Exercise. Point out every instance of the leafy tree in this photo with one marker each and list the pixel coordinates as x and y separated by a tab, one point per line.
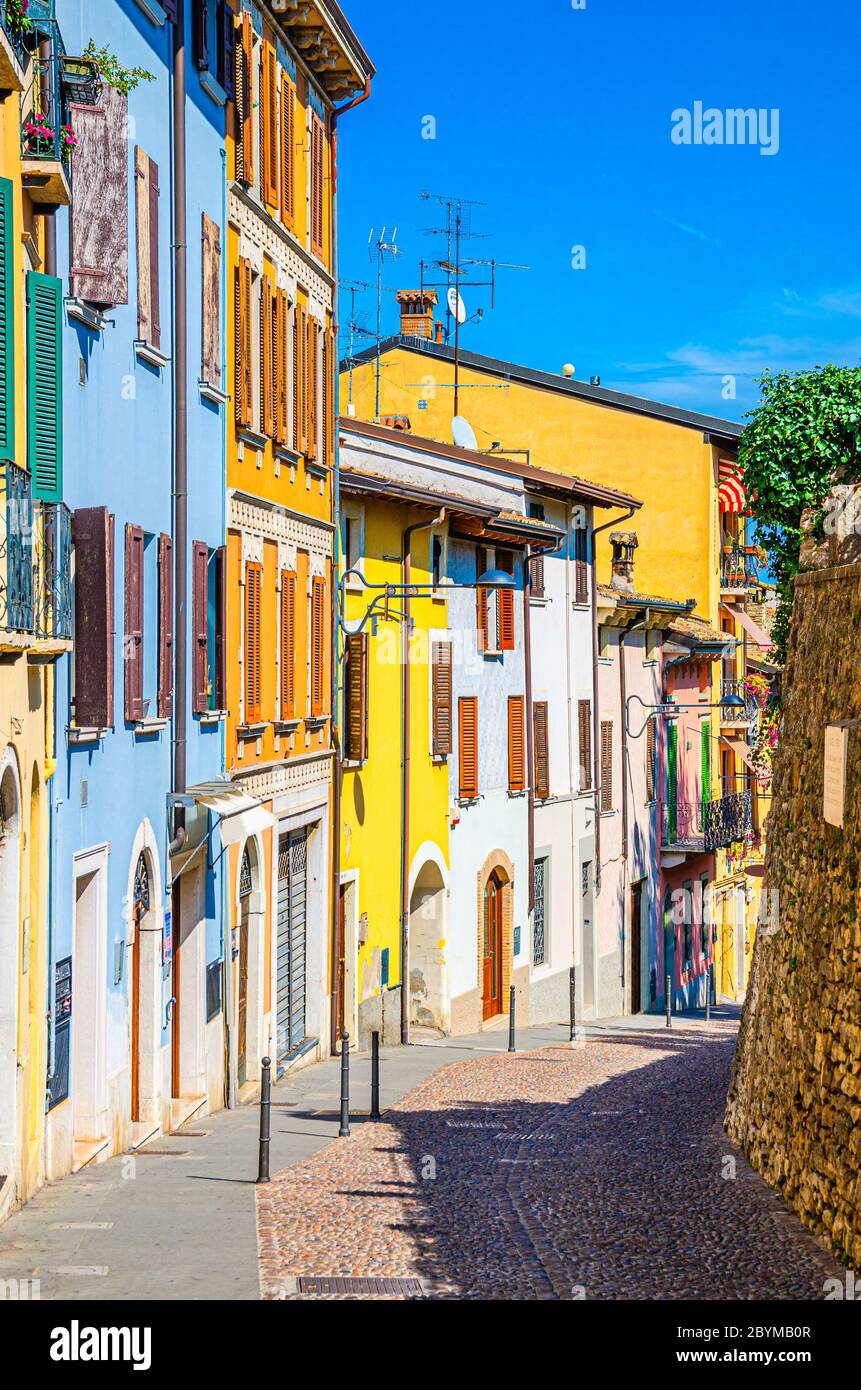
122	79
804	435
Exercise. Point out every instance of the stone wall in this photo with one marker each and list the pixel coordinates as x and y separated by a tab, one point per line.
794	1104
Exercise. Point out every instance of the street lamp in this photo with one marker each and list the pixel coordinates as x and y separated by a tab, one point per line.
491	579
728	702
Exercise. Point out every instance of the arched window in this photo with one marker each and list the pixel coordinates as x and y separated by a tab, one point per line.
245	874
142	888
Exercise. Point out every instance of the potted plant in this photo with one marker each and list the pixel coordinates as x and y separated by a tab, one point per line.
17	18
38	136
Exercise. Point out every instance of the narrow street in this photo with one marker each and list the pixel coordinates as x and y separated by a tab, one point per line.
613	1180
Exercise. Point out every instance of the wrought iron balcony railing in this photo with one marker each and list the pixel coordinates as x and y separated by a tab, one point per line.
45	129
52	571
14	26
35	560
735	714
738	568
700	827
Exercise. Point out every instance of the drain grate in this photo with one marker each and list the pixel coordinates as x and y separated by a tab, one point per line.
162	1153
356	1288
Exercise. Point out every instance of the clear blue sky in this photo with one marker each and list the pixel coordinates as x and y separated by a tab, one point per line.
701	260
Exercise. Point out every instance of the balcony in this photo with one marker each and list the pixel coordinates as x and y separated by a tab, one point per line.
14	50
731	714
700	827
738	568
47	139
35	571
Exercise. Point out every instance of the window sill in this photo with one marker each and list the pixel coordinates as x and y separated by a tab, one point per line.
78	734
287	726
212	87
317	469
212	716
287	455
82	312
249	731
514	795
212	393
583	604
153	11
145	352
316	721
468	800
143	727
250	436
538	600
605	661
353	764
605	814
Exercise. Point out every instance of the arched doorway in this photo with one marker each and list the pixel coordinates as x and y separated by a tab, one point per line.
429	1003
141	905
246	888
10	888
493	946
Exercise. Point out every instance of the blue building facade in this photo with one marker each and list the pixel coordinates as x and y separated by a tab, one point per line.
137	1041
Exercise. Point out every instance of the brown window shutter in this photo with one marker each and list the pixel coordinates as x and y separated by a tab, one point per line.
606	764
441	699
99	214
221	628
210	363
288	645
581	567
318	649
297	379
93	534
267	383
247	52
155	310
651	768
467	721
200	627
269	125
313	387
326	393
505	604
253	599
541	750
282	367
536	576
318	141
356	697
516	744
146	217
481	602
584	731
165	627
134	633
288	150
243	363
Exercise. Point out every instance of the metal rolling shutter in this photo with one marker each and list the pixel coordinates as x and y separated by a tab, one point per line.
292	895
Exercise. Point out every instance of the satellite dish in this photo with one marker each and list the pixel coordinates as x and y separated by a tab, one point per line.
456	305
462	433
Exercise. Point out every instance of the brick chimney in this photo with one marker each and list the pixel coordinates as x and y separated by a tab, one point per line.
417	308
624	544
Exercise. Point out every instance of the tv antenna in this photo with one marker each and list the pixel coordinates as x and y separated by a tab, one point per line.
381	248
354	288
457	229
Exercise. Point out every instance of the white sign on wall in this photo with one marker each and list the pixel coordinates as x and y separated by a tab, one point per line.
834	781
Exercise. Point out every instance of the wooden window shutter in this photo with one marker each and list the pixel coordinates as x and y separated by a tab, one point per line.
134	633
288	645
221	628
99	271
201	35
226	65
581	567
246	66
288	150
536	576
482	617
243	360
651	762
505	604
200	627
269	122
93	536
165	627
7	322
318	640
146	209
210	355
313	376
330	352
467	721
441	699
253	599
516	744
606	764
267	383
45	386
282	369
584	736
298	330
356	697
318	141
541	750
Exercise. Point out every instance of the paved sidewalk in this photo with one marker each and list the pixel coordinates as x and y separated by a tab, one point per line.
177	1219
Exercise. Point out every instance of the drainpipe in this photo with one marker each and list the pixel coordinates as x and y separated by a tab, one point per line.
634	624
180	348
406	753
596	711
530	733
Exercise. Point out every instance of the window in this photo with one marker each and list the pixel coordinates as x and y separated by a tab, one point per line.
688	923
441	699
651	760
318	145
482	603
225	69
606	765
604	643
146	211
516	744
210	356
653	644
99	271
494	609
541	750
536	576
467	718
318	646
705	916
93	699
209	621
44	386
356	697
7	323
288	645
312	387
245	101
505	604
267	364
581	566
148	631
539	920
243	360
270	156
253	597
288	150
280	361
584	733
300	380
436	559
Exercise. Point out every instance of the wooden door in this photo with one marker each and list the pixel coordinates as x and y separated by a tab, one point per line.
242	1022
636	948
341	962
492	981
177	995
136	1014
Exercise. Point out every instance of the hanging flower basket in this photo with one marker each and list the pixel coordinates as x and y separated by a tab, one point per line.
38	137
68	140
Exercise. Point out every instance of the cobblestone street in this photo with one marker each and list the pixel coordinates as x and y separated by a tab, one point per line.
613	1180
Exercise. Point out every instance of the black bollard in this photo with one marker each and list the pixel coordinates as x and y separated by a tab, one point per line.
344	1131
669	980
511	1023
375	1076
265	1104
572	990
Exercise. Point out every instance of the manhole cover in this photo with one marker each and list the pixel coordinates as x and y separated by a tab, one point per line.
354	1288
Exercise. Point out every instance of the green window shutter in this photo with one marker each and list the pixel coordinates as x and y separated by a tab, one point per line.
45	386
7	324
706	763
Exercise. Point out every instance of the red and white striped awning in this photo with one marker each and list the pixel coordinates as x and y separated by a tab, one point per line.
731	494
